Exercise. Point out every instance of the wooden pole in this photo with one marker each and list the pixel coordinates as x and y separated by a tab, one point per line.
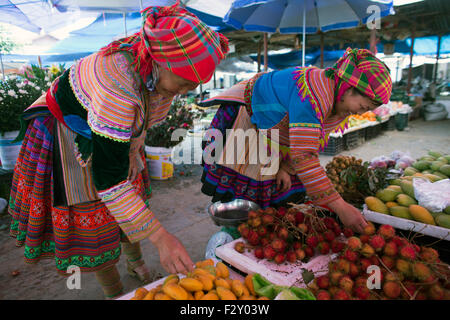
259	55
266	58
3	68
437	59
125	23
304	36
411	54
296	42
321	49
373	41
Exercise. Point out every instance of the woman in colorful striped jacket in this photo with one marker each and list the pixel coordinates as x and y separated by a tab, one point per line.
305	105
80	190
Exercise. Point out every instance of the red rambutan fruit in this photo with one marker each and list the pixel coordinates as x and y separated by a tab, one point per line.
386	231
377	242
392	289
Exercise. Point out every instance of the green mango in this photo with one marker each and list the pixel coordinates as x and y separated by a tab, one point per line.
445	169
435	165
401	212
421	165
427	158
443	221
432	177
442	159
407	188
447	157
396	188
410	171
447	210
405	200
387	194
395	182
440	174
435	154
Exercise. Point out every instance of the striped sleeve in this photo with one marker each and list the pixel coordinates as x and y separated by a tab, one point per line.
112	115
304	136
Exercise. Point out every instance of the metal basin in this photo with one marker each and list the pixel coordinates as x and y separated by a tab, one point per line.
231	214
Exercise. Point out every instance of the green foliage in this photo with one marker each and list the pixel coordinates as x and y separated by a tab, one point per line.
18	92
362	181
6	44
180	116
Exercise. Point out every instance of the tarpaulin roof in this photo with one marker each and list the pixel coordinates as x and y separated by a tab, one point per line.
110	26
214	8
38	15
422	46
428	45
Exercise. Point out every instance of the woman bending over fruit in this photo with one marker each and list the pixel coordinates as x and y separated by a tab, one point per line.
305	104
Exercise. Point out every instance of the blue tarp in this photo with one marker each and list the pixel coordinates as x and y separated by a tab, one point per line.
109	26
99	33
38	16
422	46
428	45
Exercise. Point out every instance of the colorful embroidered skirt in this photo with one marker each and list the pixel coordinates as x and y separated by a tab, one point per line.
225	184
83	235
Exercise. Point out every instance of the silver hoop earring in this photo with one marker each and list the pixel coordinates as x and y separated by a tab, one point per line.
152	78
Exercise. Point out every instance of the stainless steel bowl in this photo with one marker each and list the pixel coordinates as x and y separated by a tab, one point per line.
231	214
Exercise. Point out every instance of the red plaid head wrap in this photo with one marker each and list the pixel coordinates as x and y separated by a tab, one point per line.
359	68
177	40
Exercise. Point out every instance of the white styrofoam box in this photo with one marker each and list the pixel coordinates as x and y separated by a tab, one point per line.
408	225
286	274
129	295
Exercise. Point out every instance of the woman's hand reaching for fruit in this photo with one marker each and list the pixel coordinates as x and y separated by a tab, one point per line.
349	215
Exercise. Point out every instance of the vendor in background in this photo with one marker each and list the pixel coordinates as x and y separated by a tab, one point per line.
306	104
81	185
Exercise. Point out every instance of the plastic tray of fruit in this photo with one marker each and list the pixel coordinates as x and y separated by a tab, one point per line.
139	293
406	224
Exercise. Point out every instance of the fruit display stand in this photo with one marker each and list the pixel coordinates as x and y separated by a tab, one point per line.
373	131
287	274
388	124
148	287
335	145
407	225
355	136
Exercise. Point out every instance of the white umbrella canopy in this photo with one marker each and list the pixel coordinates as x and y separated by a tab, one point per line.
116	6
39	16
215	8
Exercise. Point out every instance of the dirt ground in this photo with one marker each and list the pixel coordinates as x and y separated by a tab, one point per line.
181	208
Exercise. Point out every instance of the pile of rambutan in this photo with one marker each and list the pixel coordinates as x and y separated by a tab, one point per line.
288	235
406	271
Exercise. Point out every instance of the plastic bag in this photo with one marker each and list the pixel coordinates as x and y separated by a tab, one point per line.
404	162
381	111
218	239
396	155
402	159
433	116
380	162
3	204
433	196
